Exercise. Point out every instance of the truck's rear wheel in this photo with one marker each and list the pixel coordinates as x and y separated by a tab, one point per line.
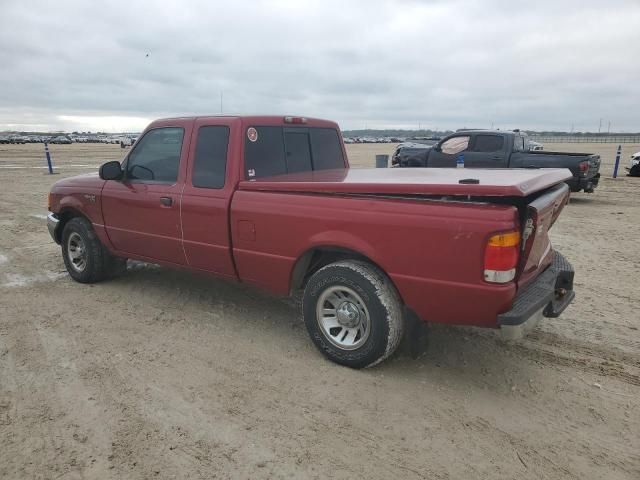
353	313
86	259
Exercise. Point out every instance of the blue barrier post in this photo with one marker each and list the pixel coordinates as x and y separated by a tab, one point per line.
46	152
615	167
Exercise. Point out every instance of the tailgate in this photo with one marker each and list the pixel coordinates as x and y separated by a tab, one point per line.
540	215
594	165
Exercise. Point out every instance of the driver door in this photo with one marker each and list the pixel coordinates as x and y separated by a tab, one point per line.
449	153
142	211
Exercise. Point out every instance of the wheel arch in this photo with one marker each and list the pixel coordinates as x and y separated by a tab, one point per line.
320	256
65	214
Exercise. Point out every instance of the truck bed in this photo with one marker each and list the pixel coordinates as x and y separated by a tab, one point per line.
417	181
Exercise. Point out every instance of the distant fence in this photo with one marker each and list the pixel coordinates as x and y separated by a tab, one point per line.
583	139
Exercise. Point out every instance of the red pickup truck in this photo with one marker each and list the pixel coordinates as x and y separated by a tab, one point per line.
271	201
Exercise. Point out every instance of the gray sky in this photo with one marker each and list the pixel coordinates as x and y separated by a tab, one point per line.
441	64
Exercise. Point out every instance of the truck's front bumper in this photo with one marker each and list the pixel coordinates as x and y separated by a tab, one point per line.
547	296
53	223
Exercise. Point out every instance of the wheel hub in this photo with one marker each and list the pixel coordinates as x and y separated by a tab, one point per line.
343	317
348	314
77	252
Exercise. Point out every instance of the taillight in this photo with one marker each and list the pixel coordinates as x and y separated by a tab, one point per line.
49	202
501	257
584	167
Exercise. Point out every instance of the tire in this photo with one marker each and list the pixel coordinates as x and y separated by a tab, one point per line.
85	258
366	324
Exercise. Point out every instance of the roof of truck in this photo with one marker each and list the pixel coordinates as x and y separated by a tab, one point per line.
266	120
415	181
488	131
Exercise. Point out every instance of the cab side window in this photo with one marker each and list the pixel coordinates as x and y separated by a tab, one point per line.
455	145
488	143
156	157
210	162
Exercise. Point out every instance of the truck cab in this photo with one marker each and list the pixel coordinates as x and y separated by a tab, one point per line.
478	149
177	182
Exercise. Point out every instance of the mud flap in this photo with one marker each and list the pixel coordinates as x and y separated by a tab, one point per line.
416	335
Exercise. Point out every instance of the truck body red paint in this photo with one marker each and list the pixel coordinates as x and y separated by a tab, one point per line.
426	230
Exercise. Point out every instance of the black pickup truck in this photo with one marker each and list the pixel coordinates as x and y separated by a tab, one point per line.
498	149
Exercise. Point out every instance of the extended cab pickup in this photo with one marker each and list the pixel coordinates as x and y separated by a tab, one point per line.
271	201
499	149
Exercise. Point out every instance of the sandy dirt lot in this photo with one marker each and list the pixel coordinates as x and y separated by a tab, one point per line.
163	374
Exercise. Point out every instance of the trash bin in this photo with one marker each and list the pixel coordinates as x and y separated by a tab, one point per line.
382	161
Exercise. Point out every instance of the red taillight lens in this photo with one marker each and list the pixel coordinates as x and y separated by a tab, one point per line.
584	167
501	257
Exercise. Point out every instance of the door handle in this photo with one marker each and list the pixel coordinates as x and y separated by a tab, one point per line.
166	201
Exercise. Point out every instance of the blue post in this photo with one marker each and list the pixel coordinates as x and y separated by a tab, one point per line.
46	152
615	168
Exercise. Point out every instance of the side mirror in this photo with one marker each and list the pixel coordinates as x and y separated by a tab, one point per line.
436	148
111	171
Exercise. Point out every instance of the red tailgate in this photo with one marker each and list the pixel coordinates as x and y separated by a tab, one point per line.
542	213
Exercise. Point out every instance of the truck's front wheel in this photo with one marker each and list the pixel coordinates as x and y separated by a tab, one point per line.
353	313
86	259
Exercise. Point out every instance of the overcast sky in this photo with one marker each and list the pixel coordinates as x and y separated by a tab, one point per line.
438	64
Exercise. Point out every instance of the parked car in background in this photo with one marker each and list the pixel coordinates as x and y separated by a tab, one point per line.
271	201
61	140
17	139
634	165
500	149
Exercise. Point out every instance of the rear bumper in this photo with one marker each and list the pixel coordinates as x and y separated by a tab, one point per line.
53	223
547	296
584	183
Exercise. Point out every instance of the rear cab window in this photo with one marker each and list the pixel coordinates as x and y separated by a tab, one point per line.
277	150
518	143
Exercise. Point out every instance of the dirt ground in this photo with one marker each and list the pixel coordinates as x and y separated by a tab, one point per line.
163	374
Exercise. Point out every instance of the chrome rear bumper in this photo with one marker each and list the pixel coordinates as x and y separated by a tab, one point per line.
547	296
